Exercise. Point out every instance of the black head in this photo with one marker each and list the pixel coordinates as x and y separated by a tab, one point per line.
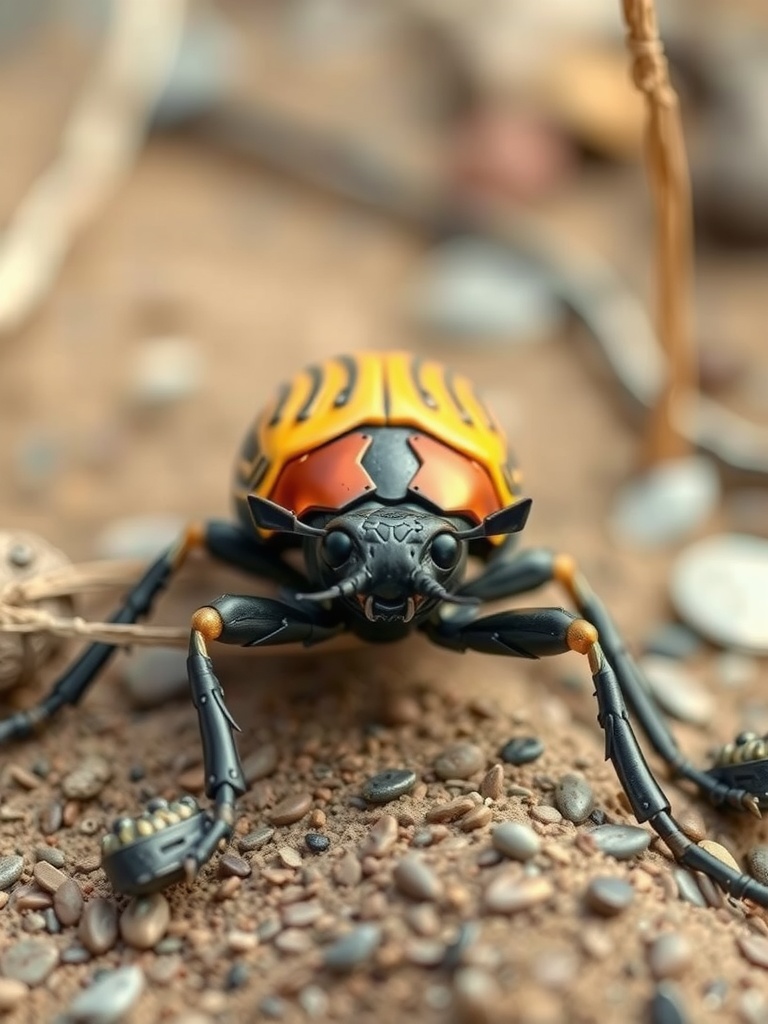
387	563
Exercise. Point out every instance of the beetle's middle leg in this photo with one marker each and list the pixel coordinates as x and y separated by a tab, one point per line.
524	571
225	541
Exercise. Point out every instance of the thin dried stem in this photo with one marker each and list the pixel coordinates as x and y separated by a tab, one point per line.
669	179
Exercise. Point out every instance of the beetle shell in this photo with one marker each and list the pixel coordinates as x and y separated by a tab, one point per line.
383	425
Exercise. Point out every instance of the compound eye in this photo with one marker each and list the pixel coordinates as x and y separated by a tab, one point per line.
445	550
336	548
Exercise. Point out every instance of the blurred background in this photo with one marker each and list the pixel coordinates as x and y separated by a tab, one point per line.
199	198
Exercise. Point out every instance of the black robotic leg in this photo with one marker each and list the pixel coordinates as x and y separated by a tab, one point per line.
170	842
505	577
223	540
534	633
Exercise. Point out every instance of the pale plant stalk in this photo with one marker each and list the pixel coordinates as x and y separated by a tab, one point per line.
669	179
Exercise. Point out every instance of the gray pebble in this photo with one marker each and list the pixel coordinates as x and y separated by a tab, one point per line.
574	798
621	841
98	926
255	839
388	785
757	863
677	691
687	889
667	502
30	961
143	537
145	920
273	1007
109	998
166	370
88	779
516	840
673	640
316	843
230	865
11	868
609	896
459	761
666	1006
155	675
522	750
416	879
669	956
353	949
68	902
471	288
52	923
75	954
51	855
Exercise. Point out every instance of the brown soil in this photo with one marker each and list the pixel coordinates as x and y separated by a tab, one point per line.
265	276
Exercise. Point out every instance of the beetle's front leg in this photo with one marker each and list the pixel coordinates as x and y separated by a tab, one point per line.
170	842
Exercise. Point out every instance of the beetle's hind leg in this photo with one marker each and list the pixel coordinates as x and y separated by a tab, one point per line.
518	573
225	541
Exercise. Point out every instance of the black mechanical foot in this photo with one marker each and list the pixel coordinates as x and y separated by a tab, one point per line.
743	765
150	852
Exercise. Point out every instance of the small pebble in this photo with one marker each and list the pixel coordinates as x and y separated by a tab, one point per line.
50	854
301	915
476	995
381	838
155	675
516	840
478	817
754	948
720	852
609	896
88	779
674	640
289	857
48	877
388	785
757	863
736	670
450	811
23	777
687	889
261	764
51	817
545	814
291	809
669	956
253	840
166	370
677	691
347	871
29	961
68	902
416	879
230	865
316	843
237	977
145	921
510	894
459	761
11	867
522	750
574	798
109	998
11	993
692	824
492	786
98	926
620	841
666	502
667	1006
352	950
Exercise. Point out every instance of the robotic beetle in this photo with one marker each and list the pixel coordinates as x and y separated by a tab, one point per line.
388	471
